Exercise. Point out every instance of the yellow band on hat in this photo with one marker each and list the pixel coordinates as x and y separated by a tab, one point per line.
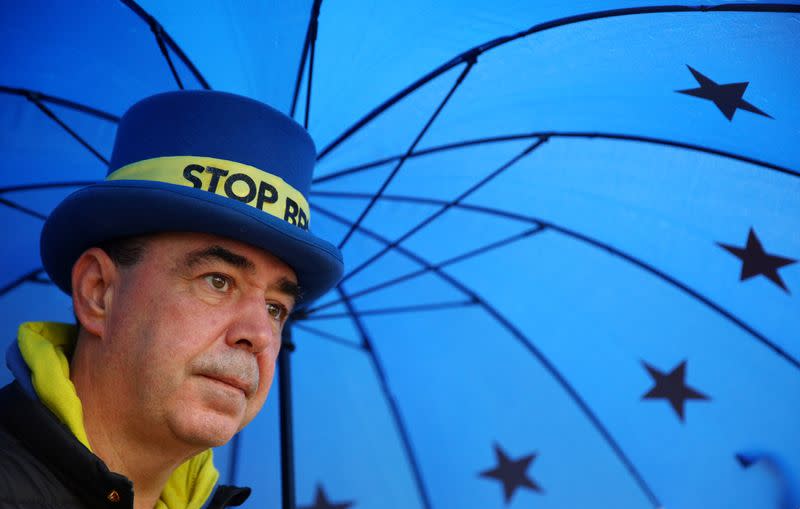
247	184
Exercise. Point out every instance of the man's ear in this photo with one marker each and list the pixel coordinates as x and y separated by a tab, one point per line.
93	277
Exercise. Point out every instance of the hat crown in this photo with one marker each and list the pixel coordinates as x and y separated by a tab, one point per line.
219	125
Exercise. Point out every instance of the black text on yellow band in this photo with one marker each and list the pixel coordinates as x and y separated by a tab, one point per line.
247	184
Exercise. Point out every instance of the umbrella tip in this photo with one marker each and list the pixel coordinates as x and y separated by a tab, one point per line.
746	461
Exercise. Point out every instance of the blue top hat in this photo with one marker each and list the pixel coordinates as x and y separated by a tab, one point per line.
201	161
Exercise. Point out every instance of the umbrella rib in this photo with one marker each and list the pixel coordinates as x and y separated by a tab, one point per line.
402	160
46	185
325	335
411	275
311	33
16	206
162	38
541	27
61	102
352	170
444	208
584	407
47	111
32	276
394	408
620	254
398	309
158	32
313	51
559	134
381	239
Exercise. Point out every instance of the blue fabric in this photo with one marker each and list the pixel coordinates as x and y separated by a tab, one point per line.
585	271
19	369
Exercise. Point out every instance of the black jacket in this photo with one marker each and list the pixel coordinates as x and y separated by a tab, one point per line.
43	466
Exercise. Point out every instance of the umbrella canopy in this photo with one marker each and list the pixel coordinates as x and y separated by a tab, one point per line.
570	232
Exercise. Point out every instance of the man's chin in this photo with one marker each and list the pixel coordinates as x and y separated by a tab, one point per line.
208	413
202	428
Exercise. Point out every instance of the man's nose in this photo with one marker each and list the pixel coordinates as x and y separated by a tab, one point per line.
253	328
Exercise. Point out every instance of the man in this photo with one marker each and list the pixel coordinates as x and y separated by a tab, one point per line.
183	266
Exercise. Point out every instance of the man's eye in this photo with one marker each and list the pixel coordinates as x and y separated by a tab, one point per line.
218	282
276	311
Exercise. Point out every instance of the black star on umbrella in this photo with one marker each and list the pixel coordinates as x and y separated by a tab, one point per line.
756	261
728	97
671	386
512	473
321	501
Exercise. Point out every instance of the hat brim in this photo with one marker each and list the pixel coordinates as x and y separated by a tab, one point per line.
117	209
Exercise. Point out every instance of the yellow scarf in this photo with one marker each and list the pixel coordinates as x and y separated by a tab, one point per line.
45	346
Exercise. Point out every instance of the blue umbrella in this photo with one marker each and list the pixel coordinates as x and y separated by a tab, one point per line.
570	230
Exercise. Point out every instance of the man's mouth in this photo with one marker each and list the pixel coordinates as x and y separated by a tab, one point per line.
233	382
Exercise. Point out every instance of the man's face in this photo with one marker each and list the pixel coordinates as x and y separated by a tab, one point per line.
193	332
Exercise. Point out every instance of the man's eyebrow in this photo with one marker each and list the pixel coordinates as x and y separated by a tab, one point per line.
219	253
284	285
290	288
